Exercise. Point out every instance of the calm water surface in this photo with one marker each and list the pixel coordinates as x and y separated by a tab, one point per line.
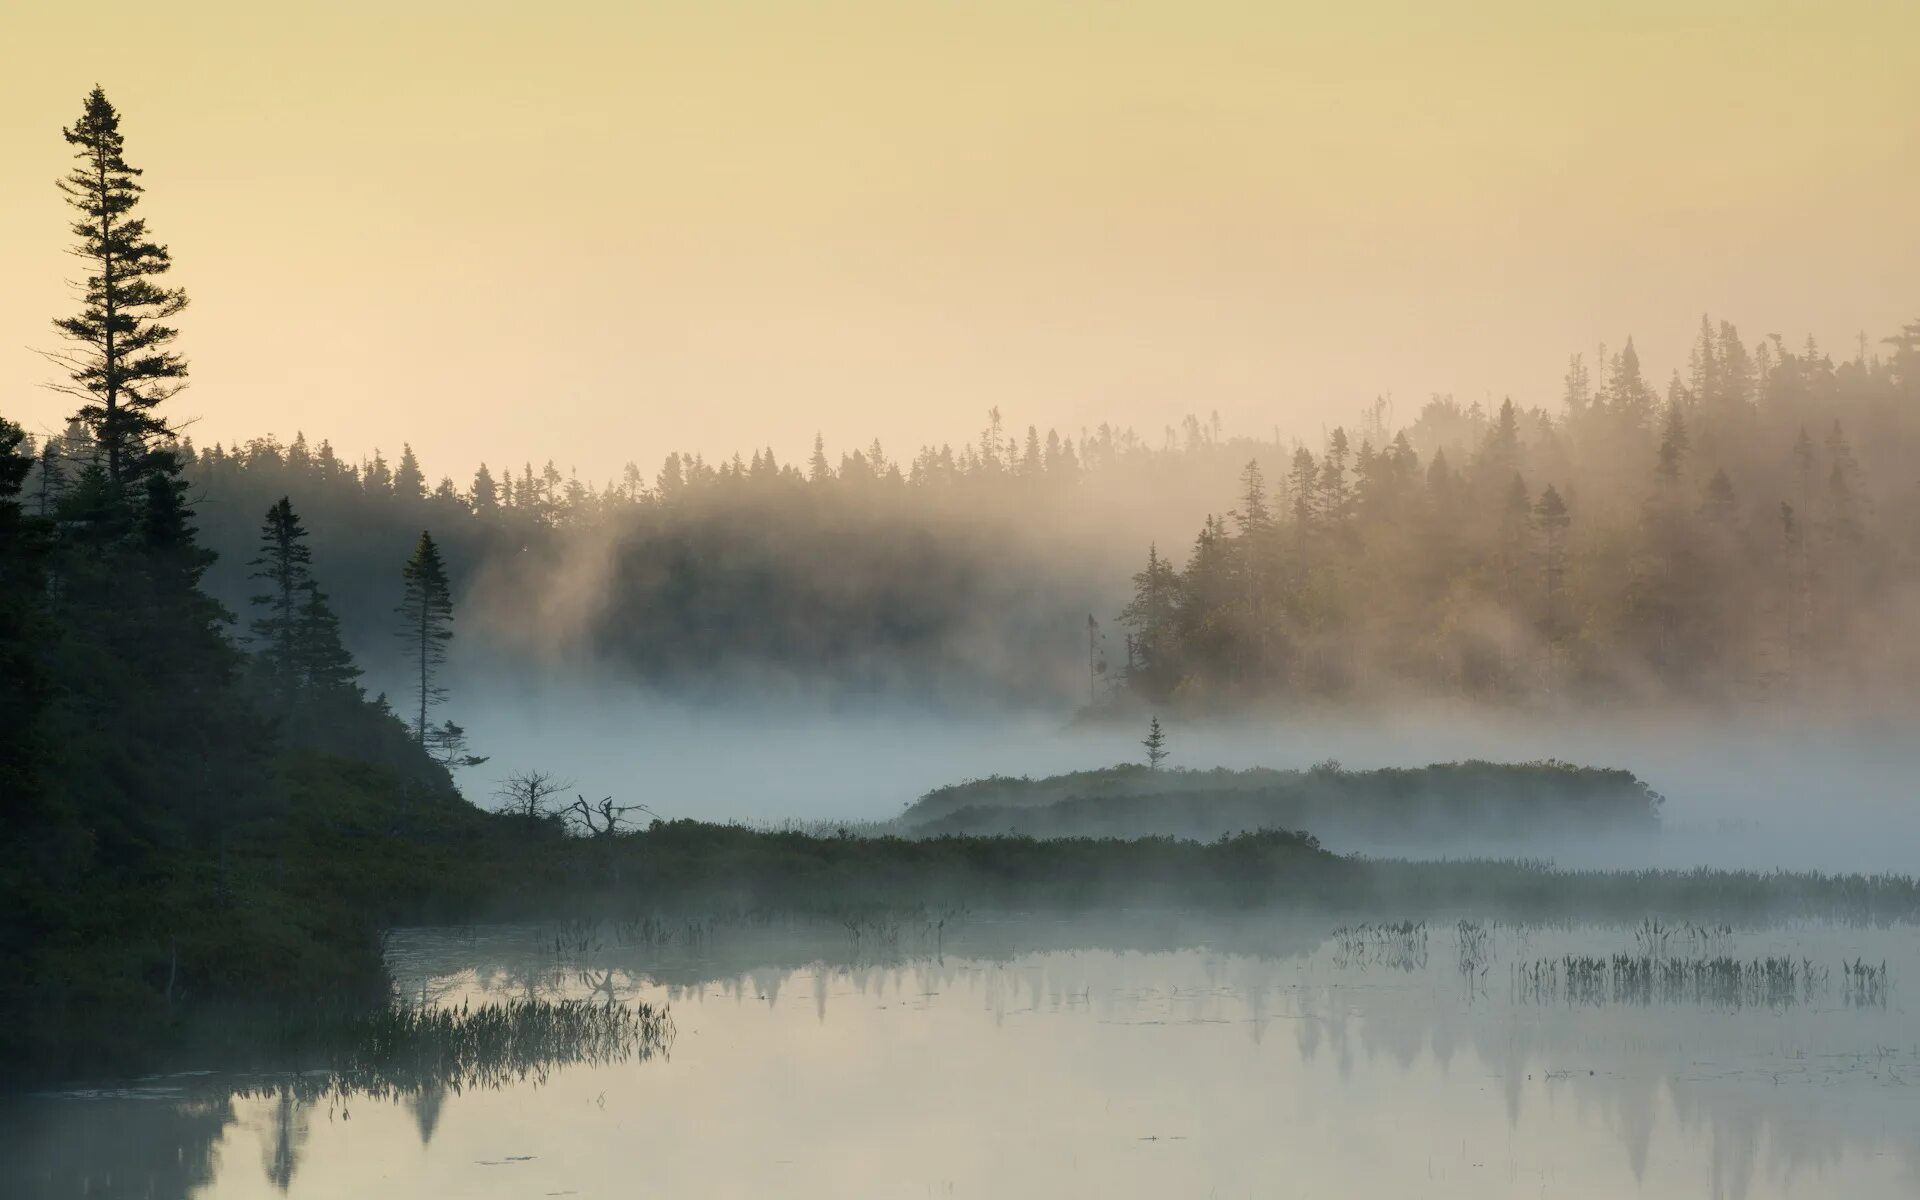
1006	1056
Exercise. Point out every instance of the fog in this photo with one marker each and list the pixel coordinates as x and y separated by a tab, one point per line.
1757	790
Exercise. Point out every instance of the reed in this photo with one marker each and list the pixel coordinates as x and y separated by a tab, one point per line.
403	1050
1720	980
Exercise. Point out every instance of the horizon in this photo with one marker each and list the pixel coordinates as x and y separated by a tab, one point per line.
882	223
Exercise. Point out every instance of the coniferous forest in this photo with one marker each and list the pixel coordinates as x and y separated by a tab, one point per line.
205	801
1741	533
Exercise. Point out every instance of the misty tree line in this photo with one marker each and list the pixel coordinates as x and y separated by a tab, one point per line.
1726	539
1747	531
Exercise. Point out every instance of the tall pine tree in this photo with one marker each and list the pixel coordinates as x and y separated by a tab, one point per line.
426	624
120	363
285	566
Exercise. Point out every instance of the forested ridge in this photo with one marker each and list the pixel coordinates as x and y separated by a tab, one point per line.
164	775
1745	533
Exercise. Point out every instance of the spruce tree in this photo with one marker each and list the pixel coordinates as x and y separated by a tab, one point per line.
1156	744
285	565
321	662
485	495
1152	660
184	638
52	484
426	619
120	365
409	481
1674	442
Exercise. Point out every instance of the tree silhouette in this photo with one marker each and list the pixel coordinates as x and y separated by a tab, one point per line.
321	662
120	366
1156	744
426	619
285	565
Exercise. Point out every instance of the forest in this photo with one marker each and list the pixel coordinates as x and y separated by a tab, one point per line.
1743	534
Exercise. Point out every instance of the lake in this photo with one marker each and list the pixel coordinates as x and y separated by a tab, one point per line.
1161	1054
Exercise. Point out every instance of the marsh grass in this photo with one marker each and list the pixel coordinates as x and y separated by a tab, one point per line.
1474	942
1399	946
404	1050
1720	981
1864	985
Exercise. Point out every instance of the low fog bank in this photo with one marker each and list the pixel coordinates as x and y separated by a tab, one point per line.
1759	792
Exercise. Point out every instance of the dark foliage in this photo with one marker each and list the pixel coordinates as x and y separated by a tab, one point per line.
1434	805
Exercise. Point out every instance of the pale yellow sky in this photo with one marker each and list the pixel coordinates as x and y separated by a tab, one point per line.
595	231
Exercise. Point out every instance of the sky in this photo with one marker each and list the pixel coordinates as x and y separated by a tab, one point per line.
594	231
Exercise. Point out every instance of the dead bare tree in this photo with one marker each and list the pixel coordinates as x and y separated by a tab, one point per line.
600	819
530	794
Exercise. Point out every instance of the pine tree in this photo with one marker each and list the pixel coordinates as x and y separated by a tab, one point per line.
1151	660
1156	744
426	619
1303	486
1706	369
178	632
1334	499
1256	529
1906	358
1577	395
409	481
121	366
321	662
285	565
1737	372
1674	442
1252	515
52	484
1628	396
1717	504
446	743
377	479
1500	453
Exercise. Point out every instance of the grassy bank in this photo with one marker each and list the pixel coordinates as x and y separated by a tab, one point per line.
1435	805
293	903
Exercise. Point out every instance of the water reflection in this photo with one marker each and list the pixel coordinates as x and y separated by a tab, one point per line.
410	1057
1177	1056
119	1144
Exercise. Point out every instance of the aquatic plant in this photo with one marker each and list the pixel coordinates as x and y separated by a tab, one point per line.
1864	985
1475	943
402	1050
1721	980
1400	945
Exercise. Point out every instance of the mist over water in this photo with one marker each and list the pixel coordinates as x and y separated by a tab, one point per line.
1758	790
